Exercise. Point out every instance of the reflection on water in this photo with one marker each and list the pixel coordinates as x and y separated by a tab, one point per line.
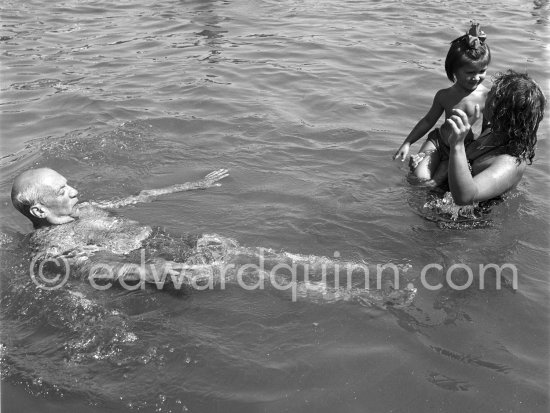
206	15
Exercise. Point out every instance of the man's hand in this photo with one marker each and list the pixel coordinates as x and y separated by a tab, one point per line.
213	177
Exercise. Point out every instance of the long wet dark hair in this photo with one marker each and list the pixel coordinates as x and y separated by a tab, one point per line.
517	104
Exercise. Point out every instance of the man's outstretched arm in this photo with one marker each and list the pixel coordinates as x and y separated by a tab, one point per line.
149	195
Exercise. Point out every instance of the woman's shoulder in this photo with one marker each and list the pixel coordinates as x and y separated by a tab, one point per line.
499	163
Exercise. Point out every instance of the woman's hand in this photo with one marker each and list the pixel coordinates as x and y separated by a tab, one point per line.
460	125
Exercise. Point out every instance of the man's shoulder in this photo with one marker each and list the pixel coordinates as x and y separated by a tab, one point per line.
52	241
113	234
58	239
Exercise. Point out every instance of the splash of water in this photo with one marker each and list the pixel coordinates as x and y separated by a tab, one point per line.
447	206
448	215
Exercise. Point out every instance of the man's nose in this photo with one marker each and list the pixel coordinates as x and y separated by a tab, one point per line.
73	192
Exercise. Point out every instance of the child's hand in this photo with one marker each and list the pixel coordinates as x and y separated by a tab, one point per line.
402	152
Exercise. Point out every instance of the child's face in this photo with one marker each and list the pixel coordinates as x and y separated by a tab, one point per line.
470	75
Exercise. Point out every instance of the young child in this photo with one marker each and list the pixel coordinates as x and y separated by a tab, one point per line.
466	66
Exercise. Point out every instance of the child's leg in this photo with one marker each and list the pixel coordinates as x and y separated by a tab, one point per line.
424	166
442	173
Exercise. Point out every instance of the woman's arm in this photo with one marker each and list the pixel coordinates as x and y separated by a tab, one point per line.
500	176
149	195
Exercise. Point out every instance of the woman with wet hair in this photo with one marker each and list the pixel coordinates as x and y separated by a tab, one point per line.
495	162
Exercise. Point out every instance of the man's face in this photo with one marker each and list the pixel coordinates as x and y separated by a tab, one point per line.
59	199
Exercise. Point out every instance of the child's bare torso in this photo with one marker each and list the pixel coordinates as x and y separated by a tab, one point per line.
457	98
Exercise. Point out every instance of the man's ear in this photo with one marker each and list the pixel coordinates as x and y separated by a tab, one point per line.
38	211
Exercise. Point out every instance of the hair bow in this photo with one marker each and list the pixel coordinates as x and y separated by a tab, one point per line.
476	36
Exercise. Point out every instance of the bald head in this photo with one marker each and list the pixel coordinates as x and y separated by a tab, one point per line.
43	196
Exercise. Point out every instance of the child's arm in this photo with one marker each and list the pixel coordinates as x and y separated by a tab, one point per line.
422	127
149	195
